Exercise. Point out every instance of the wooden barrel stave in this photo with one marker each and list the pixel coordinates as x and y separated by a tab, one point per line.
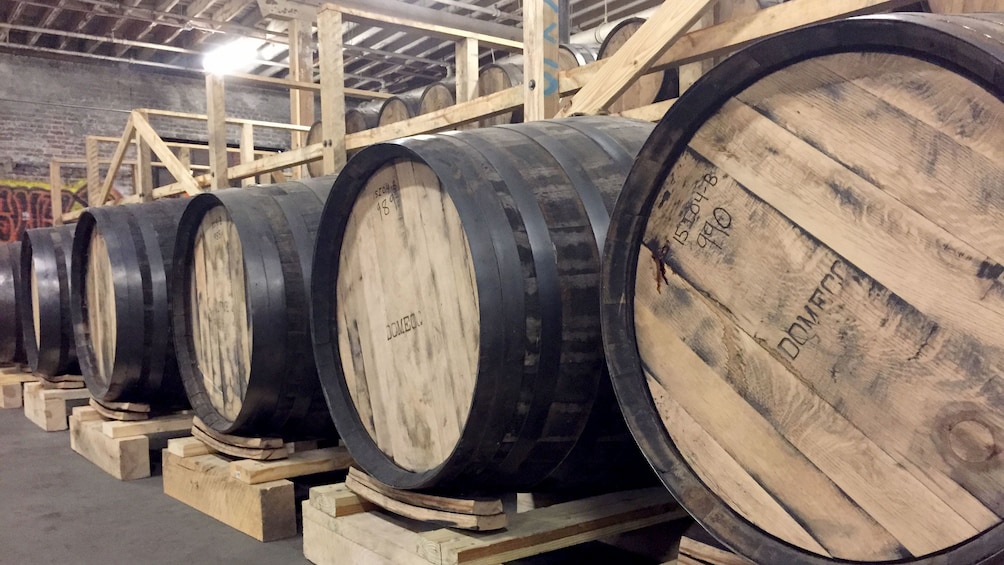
45	312
274	390
11	338
126	346
649	88
839	357
533	254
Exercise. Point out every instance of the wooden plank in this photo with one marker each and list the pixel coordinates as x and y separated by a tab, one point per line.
125	459
113	167
734	34
56	192
398	15
12	389
705	554
216	122
188	447
296	465
667	24
650	113
145	131
265	511
247	150
467	69
337	500
164	424
335	541
301	68
277	162
144	169
308	86
332	63
48	408
450	519
474	506
93	170
540	59
256	453
554	527
447	118
239	121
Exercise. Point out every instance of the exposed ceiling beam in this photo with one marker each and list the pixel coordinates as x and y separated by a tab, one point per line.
46	22
168	19
96	38
162	6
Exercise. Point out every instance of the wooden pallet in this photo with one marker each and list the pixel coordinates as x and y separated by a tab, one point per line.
48	405
339	526
254	497
122	448
12	380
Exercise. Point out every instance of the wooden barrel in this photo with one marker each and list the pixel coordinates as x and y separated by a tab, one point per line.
437	96
802	285
455	306
399	108
240	303
648	88
120	302
496	77
571	55
356	119
11	340
45	311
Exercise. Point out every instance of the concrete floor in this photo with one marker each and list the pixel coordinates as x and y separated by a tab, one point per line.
56	507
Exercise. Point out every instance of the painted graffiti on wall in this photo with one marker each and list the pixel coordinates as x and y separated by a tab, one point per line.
26	204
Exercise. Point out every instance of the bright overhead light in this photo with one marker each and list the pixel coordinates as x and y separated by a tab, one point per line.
237	56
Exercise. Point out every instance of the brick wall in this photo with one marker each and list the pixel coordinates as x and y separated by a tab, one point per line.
47	107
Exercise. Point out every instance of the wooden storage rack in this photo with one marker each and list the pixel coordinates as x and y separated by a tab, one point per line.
660	44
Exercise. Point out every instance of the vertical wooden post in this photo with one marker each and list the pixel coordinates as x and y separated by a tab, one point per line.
217	123
467	69
92	155
56	192
301	69
144	168
329	48
540	59
247	150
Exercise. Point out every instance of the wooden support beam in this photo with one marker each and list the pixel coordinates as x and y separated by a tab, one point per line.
144	169
247	150
276	162
93	170
735	34
540	59
216	120
56	192
446	118
238	120
467	69
329	48
182	174
301	69
667	24
117	158
394	15
185	156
